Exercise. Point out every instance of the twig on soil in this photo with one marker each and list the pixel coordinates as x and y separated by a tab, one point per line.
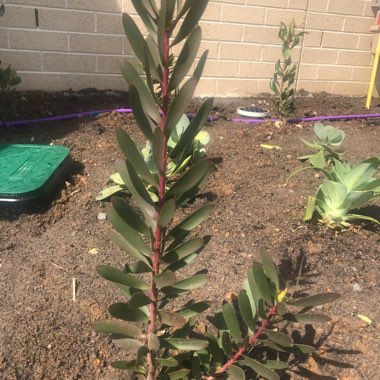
74	289
58	266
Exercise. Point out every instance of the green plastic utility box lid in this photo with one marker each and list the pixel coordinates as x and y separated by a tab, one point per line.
31	173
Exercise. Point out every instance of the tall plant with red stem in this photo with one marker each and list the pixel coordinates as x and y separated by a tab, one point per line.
153	323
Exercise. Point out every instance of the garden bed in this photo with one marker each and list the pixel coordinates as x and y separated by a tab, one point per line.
45	335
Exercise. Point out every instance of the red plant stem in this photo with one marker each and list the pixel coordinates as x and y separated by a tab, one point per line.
252	340
159	232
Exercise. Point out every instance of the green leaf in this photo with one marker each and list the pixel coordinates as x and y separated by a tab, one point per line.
132	345
310	207
181	230
141	355
235	373
182	263
146	12
166	213
134	238
214	349
226	343
191	309
193	129
128	214
318	160
147	101
200	66
275	364
177	375
303	349
187	248
191	283
118	328
246	310
186	58
279	338
128	366
192	17
115	275
263	371
109	192
307	318
262	283
232	322
184	344
179	104
154	342
191	178
172	319
316	300
361	174
139	299
123	311
124	245
138	190
170	362
270	268
145	124
134	156
164	279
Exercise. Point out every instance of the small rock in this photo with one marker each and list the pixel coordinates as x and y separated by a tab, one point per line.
357	288
102	216
93	251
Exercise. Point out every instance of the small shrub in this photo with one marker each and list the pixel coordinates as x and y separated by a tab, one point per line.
153	323
282	83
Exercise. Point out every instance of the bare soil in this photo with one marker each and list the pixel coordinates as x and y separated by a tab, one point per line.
44	335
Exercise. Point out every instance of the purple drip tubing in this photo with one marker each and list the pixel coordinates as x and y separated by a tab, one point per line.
211	118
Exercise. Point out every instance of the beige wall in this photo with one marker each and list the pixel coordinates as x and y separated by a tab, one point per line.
80	44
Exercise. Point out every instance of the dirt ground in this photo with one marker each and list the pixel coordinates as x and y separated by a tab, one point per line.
45	335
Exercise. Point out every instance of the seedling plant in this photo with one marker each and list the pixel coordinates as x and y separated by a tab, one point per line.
282	83
154	323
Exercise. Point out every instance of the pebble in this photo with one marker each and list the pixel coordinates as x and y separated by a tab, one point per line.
102	216
357	288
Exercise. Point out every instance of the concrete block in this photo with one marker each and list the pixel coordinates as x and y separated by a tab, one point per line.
233	87
334	73
96	5
352	7
240	52
42	3
206	87
38	40
269	3
92	43
340	40
354	58
318	5
63	62
256	70
325	22
108	23
318	56
221	32
221	69
18	17
275	16
25	60
261	35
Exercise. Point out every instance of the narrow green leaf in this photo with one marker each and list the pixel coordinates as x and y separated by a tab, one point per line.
141	355
187	248
157	149
226	343
127	213
303	349
235	373
172	319
132	345
145	124
109	192
232	321
184	344
270	268
118	328
191	283
164	279
134	156
200	66
181	230
192	309
307	318
263	371
126	313
193	129
122	226
148	103
115	275
177	375
138	190
191	178
310	207
191	19
146	12
124	245
214	349
279	338
170	362
182	263
316	300
186	58
179	104
275	364
166	213
246	307
128	366
154	342
262	282
139	299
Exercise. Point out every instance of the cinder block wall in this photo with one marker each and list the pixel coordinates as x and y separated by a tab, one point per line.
62	44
